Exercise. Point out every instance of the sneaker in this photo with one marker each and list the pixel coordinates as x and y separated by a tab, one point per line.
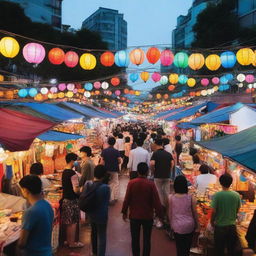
159	224
196	250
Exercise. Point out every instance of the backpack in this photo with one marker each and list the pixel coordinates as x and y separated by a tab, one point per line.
87	201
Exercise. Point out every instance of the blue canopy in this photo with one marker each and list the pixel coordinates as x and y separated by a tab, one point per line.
56	113
220	115
161	114
240	147
186	112
58	136
86	111
186	125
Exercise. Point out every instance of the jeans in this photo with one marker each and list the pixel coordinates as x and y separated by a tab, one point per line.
114	185
183	243
99	238
135	226
226	237
163	189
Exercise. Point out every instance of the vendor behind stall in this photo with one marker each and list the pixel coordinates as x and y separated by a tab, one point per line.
204	180
38	170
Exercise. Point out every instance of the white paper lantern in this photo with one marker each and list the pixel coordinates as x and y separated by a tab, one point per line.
204	92
209	91
105	85
250	86
44	90
87	94
240	85
240	78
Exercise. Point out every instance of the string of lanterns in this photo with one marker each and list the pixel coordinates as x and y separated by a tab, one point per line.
35	53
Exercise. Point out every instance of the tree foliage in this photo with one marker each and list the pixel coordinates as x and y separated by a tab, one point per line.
13	19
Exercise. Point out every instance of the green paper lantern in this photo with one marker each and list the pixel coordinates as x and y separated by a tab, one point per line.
69	146
181	60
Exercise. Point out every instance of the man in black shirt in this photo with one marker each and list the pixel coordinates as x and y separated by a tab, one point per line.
161	164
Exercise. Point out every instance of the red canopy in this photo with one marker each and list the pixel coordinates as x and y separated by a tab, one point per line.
18	130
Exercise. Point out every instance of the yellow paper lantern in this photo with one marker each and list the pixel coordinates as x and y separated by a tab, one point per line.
158	96
9	47
216	88
1	78
1	94
61	95
173	78
213	62
144	76
38	97
137	93
191	82
88	61
196	61
245	56
69	94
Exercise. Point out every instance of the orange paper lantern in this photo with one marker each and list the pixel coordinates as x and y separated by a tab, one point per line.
144	76
171	87
56	56
115	81
137	56
153	55
107	59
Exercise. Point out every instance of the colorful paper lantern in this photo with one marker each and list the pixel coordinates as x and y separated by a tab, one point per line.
173	78
88	61
153	55
223	80
23	93
245	56
205	82
167	58
69	94
196	61
9	47
240	78
97	92
39	97
249	78
137	56
115	81
44	91
171	87
70	87
32	92
33	53
183	79
56	56
87	94
105	85
216	88
228	59
134	77
215	80
213	62
164	80
191	82
181	60
158	96
62	87
88	86
156	77
117	92
126	91
229	77
166	96
1	78
97	85
54	89
122	59
144	76
204	92
107	59
71	59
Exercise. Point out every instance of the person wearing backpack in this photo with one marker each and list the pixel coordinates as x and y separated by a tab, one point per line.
94	200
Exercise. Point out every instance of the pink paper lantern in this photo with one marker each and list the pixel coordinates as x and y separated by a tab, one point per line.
54	89
97	85
75	90
156	77
249	78
70	87
71	59
34	53
167	58
204	82
215	80
117	92
62	87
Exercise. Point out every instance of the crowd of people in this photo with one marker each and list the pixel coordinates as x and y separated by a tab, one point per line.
155	195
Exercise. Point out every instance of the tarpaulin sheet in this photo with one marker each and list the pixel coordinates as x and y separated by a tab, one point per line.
238	147
18	130
58	136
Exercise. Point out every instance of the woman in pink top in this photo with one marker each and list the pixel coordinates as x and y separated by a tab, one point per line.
182	216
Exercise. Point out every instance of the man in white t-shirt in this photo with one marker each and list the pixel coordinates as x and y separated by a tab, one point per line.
205	179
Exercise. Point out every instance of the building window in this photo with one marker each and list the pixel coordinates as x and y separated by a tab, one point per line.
56	21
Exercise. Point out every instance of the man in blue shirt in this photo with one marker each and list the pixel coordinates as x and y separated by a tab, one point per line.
36	234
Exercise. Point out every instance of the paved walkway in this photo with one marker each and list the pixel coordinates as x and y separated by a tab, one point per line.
119	241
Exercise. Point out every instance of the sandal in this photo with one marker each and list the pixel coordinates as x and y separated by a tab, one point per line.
76	245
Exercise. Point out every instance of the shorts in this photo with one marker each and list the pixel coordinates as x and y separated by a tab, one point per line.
70	212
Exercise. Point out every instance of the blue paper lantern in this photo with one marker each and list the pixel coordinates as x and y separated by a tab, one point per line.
88	86
229	77
226	87
23	93
221	88
223	80
228	59
134	77
32	92
122	59
242	178
183	79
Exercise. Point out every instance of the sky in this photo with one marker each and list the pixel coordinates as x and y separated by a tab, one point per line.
150	22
